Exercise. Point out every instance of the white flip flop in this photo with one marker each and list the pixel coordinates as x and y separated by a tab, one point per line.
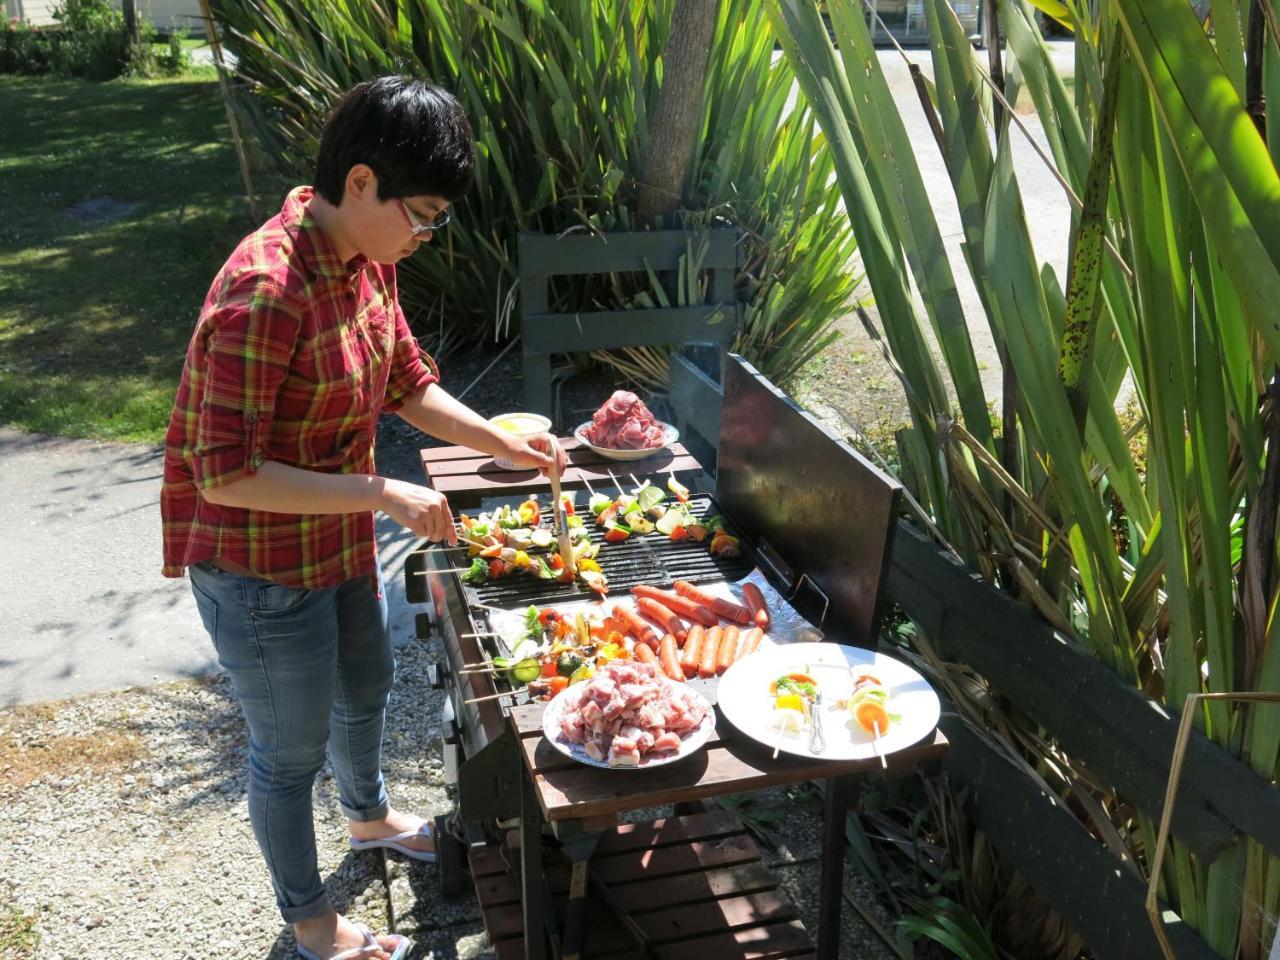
356	953
396	843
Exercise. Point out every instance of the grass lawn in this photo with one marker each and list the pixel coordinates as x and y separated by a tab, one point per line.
120	202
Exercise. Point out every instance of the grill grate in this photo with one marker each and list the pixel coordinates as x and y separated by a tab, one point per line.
652	559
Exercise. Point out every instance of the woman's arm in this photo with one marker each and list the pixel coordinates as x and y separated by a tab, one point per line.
280	488
434	411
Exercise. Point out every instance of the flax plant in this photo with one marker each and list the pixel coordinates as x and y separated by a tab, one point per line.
1163	567
560	96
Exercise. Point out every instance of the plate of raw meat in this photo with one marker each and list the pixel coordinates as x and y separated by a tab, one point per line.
628	716
624	429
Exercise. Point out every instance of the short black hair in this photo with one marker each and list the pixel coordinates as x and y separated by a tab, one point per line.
414	136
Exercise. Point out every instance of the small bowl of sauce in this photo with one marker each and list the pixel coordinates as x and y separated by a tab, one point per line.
520	425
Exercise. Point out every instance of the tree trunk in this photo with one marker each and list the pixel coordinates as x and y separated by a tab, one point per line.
130	10
676	120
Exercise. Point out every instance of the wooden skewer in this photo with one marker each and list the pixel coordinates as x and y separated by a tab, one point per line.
423	573
875	746
495	696
782	733
590	490
476	636
621	492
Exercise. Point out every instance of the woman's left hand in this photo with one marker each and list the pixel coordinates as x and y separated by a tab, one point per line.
536	452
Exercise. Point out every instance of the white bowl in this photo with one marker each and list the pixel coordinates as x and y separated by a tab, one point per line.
519	425
669	436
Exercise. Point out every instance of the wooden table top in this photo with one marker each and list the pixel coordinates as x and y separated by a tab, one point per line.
467	476
729	763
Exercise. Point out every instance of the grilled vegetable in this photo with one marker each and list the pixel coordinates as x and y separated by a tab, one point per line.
724	545
871	715
679	489
615	532
649	496
567	663
524	671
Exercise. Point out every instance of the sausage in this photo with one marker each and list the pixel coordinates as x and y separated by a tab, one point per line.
638	629
728	649
663	617
670	659
755	603
724	608
643	652
691	654
749	642
710	651
680	606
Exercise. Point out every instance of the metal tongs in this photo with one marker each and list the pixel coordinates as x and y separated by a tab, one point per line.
559	526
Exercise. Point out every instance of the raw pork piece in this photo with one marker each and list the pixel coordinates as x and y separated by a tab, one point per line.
629	710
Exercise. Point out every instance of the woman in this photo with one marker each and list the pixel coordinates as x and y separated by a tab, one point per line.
270	484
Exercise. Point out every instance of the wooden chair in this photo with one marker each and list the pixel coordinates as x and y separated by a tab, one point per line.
544	333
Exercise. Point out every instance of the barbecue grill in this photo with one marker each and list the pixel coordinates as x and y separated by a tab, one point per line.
811	513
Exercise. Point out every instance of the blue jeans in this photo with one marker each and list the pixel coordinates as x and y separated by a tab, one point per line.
310	668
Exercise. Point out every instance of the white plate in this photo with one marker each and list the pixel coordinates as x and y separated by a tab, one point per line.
569	697
745	700
669	436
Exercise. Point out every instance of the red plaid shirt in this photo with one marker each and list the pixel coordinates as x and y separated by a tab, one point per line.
294	356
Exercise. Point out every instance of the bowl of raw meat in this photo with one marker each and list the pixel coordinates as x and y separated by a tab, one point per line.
624	429
628	717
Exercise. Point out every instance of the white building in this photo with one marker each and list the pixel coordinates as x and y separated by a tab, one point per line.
165	14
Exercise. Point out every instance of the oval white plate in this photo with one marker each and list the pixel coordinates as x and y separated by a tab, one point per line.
569	697
669	436
745	700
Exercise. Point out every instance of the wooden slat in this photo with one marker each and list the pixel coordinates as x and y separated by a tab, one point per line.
716	916
610	329
553	256
698	856
1116	730
732	881
779	941
592	465
581	791
668	830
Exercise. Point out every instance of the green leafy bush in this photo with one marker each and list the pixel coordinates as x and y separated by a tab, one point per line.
93	42
560	96
25	49
90	42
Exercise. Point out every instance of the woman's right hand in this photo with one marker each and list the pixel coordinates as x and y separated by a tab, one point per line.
420	509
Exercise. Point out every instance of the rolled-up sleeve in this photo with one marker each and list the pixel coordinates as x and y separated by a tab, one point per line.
247	345
412	368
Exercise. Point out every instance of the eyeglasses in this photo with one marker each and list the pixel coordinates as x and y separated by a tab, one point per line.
420	227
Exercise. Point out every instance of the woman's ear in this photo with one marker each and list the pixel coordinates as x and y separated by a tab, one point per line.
362	183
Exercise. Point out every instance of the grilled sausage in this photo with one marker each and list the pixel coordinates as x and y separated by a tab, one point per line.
669	657
691	654
663	617
643	652
680	606
755	603
710	651
728	649
638	629
718	605
749	642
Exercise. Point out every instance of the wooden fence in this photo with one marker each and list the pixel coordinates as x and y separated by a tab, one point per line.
1121	736
661	252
